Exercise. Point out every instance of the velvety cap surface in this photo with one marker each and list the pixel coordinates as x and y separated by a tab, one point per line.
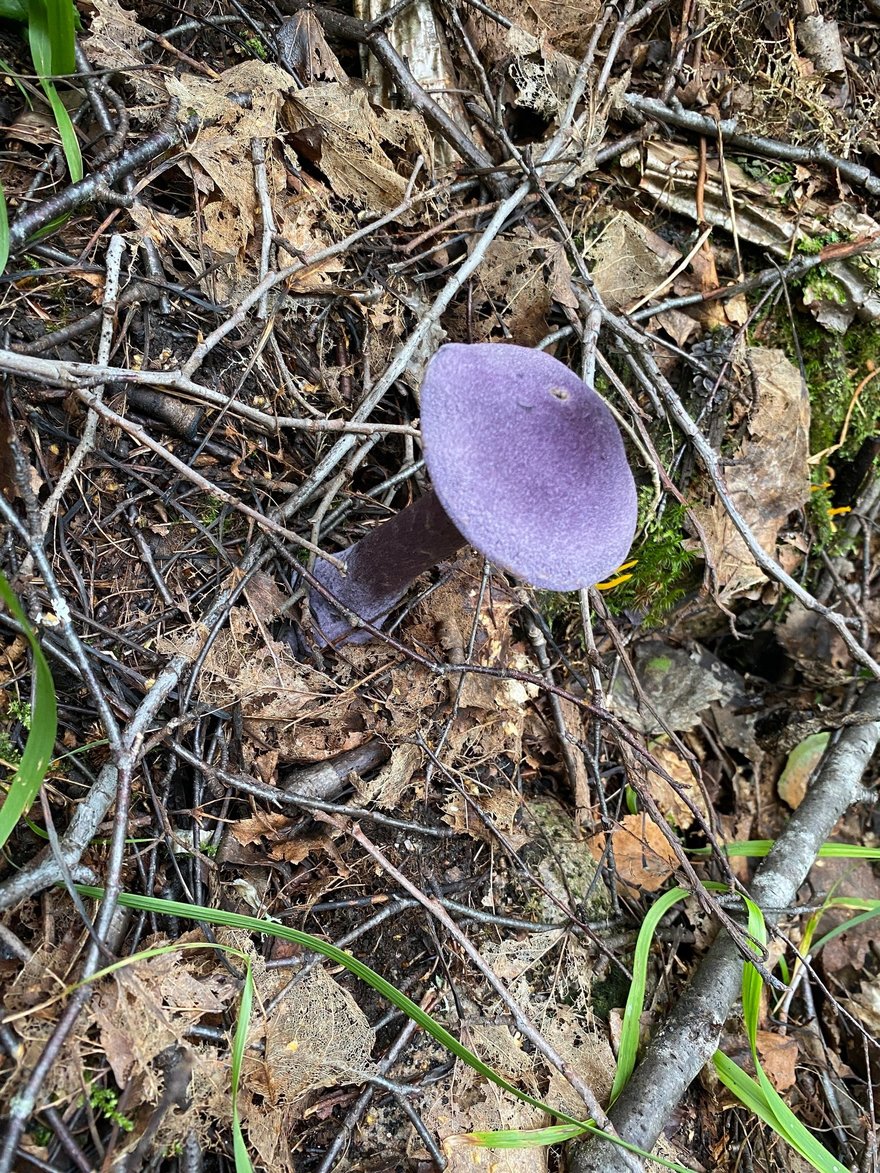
529	463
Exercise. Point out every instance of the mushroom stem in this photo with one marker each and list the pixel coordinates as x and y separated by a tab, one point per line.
382	566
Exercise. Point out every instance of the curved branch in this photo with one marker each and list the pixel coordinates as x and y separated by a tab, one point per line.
689	1037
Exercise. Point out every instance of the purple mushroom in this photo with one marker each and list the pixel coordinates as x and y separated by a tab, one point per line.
528	466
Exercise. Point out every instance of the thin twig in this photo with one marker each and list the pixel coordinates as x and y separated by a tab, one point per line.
115	251
758	144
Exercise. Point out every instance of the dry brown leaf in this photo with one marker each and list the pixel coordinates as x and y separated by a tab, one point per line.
211	100
317	1036
678	326
37	127
849	954
517	283
112	43
815	646
679	685
310	843
264	596
566	28
779	1055
643	857
178	233
488	817
214	159
215	155
264	824
491	709
769	476
304	49
386	789
670	802
147	1006
629	261
346	138
307	222
587	1050
515	957
471	1104
287	706
865	1006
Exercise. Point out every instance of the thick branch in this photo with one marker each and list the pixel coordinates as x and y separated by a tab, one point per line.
689	1037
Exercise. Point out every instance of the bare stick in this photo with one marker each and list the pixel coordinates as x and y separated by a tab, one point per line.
769	147
95	186
261	184
76	376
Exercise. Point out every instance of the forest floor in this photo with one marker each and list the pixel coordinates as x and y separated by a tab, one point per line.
213	345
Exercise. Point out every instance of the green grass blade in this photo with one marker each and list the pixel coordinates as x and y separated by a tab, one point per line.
529	1138
28	778
847	925
239	1148
523	1138
753	1095
69	141
4	231
60	23
635	1002
44	52
746	1090
759	848
764	1099
252	924
6	68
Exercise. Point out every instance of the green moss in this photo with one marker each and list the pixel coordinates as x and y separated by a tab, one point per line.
824	287
609	994
664	569
821	504
20	710
10	757
777	174
211	510
835	365
659	664
813	245
105	1102
255	47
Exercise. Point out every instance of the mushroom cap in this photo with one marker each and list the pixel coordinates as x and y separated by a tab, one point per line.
529	463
